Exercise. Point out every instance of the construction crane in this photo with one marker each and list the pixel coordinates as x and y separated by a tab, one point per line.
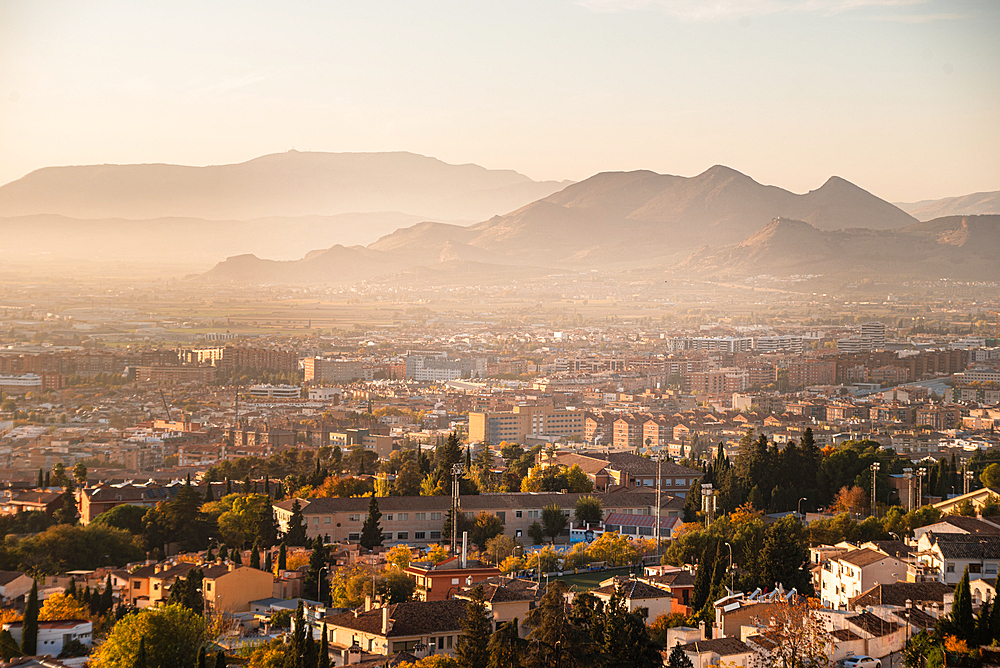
996	325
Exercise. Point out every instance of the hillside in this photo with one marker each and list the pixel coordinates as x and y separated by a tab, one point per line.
954	247
283	184
966	205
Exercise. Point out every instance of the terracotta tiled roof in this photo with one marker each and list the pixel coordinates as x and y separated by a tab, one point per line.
720	646
873	624
897	593
634	590
413	618
863	557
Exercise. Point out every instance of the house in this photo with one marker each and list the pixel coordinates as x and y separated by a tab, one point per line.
39	500
961	525
705	653
438	582
881	636
643	525
53	636
854	572
945	556
14	584
679	583
163	578
414	626
637	594
230	587
507	598
137	591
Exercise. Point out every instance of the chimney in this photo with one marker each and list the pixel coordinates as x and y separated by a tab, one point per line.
385	619
368	603
701	630
465	547
232	566
158	568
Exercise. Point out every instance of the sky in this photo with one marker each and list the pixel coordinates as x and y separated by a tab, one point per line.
901	97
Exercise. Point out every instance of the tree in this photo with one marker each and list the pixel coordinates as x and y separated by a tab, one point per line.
476	627
202	657
29	632
678	659
8	646
798	635
172	636
784	559
314	582
186	591
500	547
80	473
965	508
589	510
66	512
140	659
554	640
506	648
990	476
282	558
399	556
852	500
536	533
126	517
961	611
324	650
553	520
220	659
371	531
296	533
62	606
250	518
625	639
408	479
487	527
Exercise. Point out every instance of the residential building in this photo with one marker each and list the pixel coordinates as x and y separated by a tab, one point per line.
517	425
850	574
230	587
322	370
275	391
439	582
945	556
636	594
14	585
53	636
398	627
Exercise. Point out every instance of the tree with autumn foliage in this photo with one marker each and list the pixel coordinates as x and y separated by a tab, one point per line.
61	606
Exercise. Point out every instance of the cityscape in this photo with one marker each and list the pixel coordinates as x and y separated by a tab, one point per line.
296	371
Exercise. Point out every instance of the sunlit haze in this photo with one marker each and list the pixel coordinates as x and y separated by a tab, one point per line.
898	96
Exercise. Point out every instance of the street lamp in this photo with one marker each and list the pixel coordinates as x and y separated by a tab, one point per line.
874	467
732	581
800	508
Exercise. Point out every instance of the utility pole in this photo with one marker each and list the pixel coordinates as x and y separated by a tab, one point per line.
456	473
708	503
659	465
908	476
967	476
921	472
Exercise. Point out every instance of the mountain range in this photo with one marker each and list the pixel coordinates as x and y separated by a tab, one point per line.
974	204
404	215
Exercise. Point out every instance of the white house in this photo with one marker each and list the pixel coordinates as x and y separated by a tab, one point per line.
14	584
637	594
53	636
945	556
855	572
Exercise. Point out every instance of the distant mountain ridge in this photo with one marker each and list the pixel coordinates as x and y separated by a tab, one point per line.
965	205
621	220
282	184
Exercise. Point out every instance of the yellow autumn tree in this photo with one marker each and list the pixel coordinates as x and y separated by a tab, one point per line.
60	606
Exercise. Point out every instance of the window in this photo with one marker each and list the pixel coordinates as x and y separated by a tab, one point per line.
949	568
419	535
517	513
354	536
315	521
386	535
354	518
388	518
435	535
975	568
327	518
454	581
403	517
420	516
681	482
208	586
517	533
402	535
435	516
136	584
449	641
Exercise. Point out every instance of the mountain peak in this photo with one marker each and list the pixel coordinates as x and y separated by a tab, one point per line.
721	171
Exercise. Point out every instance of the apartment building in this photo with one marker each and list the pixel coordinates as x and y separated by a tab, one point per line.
774	344
419	520
322	370
851	574
517	425
175	375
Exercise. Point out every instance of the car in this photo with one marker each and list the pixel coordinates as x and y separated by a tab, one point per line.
862	661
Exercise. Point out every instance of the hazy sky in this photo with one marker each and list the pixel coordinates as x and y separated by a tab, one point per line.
901	97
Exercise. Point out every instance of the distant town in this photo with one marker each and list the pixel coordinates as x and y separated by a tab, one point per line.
445	485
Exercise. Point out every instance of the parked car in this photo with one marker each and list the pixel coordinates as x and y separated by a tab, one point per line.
862	661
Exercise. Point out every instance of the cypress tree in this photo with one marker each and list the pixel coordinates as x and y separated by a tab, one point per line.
41	480
229	486
267	485
140	659
703	578
255	556
506	648
209	497
8	646
371	532
107	602
202	658
238	557
268	566
324	650
961	611
223	553
48	479
476	629
29	633
71	588
282	558
220	659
